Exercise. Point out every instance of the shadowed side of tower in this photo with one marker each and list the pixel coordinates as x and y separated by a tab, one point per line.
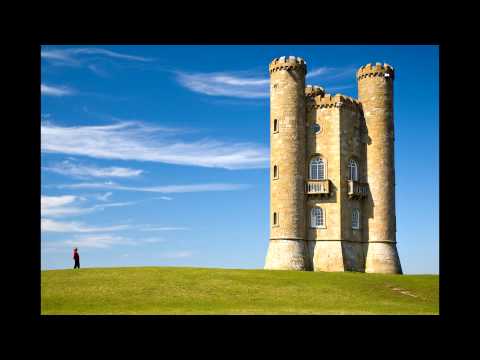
375	92
287	247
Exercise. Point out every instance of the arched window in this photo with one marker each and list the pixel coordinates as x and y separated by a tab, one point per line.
353	170
317	169
275	125
317	218
275	218
355	219
275	172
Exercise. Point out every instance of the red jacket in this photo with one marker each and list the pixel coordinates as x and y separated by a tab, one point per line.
76	256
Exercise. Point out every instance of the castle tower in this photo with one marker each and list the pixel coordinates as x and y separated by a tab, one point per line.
375	92
287	247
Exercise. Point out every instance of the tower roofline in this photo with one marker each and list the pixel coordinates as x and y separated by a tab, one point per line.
338	100
287	63
378	69
313	91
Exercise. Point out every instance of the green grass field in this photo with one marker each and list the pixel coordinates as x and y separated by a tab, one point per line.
177	290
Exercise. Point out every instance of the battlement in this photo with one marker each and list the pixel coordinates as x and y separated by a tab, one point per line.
287	63
339	100
378	69
313	91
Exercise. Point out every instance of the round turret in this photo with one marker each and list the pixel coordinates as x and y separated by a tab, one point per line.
375	92
287	248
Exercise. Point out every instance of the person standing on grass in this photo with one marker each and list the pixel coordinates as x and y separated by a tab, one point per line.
76	257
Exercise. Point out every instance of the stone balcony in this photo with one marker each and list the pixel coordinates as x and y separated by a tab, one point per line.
317	187
357	190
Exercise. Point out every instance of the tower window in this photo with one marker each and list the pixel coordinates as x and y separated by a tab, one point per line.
317	169
275	219
317	218
355	219
316	128
353	170
275	125
275	172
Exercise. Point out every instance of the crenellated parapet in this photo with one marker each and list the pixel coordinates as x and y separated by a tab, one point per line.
329	101
287	63
378	69
313	91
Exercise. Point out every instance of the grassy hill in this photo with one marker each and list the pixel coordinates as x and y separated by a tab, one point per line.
176	290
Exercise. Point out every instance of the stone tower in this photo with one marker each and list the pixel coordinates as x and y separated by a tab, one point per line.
375	92
287	248
332	179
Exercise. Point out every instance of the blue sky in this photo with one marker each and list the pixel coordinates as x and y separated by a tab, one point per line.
158	155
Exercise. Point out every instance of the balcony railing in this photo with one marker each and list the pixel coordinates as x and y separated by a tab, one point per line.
357	190
317	187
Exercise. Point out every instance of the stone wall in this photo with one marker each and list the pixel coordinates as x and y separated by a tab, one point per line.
324	247
352	147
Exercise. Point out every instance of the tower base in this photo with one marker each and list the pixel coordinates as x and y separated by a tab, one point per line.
337	255
382	257
287	255
326	255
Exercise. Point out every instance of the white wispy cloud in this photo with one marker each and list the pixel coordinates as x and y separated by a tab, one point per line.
61	206
73	55
97	60
235	85
63	211
99	241
318	71
105	196
346	73
137	141
54	90
157	189
69	168
118	204
224	84
56	201
160	228
153	240
168	198
49	225
97	70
